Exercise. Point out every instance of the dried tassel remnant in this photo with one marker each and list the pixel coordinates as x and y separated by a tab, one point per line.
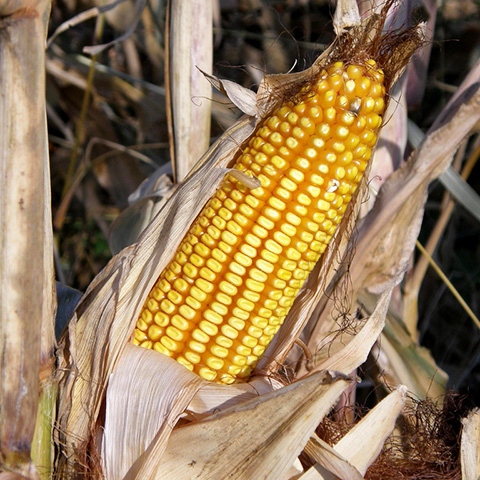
235	275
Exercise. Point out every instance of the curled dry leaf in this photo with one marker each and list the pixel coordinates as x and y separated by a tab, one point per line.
134	421
167	390
241	97
402	360
355	353
145	202
346	16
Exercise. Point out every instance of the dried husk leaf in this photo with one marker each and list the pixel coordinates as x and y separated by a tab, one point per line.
362	444
356	351
243	98
212	397
346	16
358	449
26	281
104	320
329	461
260	438
145	202
206	398
133	421
317	472
402	360
470	446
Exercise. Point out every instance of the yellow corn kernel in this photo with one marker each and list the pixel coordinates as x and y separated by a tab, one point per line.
235	275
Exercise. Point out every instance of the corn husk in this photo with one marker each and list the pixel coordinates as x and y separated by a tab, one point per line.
355	452
260	438
330	464
173	390
94	347
402	360
386	237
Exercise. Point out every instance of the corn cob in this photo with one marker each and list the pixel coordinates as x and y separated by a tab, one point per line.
235	275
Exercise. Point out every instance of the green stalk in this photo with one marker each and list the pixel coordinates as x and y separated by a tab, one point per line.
42	447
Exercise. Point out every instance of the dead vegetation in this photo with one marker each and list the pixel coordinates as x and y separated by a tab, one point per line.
115	120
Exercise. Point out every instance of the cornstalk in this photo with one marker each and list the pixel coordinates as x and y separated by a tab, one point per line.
26	270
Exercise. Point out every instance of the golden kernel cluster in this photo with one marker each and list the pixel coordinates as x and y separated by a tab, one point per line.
234	277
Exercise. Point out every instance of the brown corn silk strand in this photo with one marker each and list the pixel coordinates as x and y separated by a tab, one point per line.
224	295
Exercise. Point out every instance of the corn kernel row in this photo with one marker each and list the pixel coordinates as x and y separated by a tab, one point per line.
234	277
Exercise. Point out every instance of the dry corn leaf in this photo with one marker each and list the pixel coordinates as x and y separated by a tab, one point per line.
317	472
358	449
145	202
212	397
259	439
470	446
387	235
133	421
346	16
243	98
402	360
104	319
362	444
190	47
355	352
26	280
115	18
329	462
220	396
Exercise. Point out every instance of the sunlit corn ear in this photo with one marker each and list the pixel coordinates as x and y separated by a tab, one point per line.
345	85
234	277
